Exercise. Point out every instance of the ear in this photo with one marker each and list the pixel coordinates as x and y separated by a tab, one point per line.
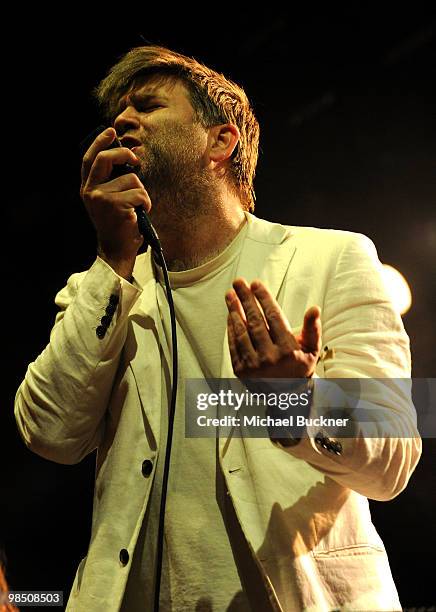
222	141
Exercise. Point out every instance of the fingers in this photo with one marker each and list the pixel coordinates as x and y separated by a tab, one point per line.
110	202
99	160
310	337
104	162
124	191
241	348
234	353
261	341
124	183
103	141
123	200
235	305
280	331
244	301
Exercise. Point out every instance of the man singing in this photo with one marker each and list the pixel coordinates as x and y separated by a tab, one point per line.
250	523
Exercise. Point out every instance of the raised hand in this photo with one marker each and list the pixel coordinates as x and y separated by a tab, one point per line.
261	341
111	203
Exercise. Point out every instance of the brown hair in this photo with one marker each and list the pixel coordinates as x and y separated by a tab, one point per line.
214	98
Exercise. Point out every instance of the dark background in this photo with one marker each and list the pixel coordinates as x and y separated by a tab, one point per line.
346	104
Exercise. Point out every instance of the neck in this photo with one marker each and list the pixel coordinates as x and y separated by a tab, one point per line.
188	243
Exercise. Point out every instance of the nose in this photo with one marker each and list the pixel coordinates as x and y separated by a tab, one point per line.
127	119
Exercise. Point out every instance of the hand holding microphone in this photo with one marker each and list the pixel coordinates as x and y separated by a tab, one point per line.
112	192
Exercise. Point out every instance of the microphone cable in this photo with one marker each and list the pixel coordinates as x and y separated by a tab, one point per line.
171	416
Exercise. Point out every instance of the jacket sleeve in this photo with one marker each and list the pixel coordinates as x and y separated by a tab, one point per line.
366	340
60	405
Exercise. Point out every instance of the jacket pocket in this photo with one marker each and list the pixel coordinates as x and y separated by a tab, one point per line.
350	550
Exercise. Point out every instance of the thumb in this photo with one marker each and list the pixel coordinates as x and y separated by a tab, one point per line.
310	337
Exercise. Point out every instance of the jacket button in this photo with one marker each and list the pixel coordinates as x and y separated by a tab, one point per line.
100	332
106	321
147	468
114	299
336	447
110	309
124	556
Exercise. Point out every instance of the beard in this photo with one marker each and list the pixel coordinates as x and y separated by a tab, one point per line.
172	171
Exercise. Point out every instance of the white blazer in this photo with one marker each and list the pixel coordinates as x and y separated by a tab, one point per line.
303	509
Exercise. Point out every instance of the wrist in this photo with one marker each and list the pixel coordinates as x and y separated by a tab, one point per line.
121	266
291	436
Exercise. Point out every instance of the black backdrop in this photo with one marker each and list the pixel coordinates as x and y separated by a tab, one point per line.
346	104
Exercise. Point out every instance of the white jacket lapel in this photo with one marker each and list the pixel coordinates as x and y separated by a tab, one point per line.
142	347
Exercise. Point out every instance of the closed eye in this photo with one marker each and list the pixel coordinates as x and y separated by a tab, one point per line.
147	108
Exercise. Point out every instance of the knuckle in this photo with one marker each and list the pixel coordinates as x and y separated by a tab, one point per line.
238	368
239	330
255	319
273	314
136	181
147	203
128	181
251	362
267	359
145	200
94	196
286	346
103	157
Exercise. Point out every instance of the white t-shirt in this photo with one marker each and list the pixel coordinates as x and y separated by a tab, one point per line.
207	565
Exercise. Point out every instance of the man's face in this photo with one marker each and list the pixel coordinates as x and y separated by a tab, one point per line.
156	120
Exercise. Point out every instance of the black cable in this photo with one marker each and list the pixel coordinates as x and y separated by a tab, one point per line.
171	416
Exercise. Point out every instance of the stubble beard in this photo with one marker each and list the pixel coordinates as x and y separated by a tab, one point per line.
181	190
